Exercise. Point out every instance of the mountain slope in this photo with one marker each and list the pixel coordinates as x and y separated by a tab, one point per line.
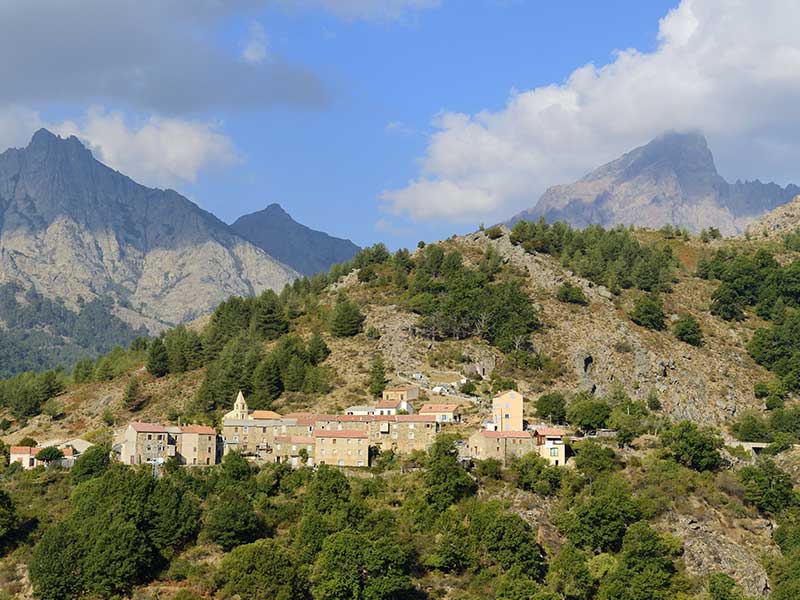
672	179
302	248
73	228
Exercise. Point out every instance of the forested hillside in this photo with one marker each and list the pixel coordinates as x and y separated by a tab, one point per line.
682	345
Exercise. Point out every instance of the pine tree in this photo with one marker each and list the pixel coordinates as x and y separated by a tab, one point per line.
318	350
157	358
268	317
295	375
347	319
132	397
267	381
377	376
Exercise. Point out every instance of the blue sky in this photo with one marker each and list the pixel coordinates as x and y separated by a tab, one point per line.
398	120
328	166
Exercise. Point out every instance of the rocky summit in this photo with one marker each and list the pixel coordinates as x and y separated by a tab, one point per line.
304	249
672	180
75	229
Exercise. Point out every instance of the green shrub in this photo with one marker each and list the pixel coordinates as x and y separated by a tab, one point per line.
571	294
649	312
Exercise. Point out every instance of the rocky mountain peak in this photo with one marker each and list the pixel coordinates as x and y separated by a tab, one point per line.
670	180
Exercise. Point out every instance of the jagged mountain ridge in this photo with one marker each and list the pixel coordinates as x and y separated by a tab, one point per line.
671	180
302	248
74	228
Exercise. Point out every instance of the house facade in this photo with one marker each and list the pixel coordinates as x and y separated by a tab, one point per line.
24	455
550	444
152	443
443	413
507	412
500	445
342	447
397	399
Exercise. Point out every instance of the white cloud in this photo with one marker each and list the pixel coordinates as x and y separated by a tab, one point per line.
16	126
159	152
364	9
727	68
255	50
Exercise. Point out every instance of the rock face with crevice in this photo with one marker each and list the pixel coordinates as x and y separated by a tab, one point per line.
74	228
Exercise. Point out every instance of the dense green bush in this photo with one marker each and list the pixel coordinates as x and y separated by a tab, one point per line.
694	447
648	311
687	329
571	294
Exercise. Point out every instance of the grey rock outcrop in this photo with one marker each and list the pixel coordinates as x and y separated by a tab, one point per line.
72	227
671	180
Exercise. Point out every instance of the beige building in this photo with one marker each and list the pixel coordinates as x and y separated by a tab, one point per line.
443	413
500	445
507	412
343	448
196	445
297	450
396	399
550	444
151	443
24	455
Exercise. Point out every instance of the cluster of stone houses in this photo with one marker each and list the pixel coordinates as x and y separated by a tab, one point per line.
506	436
26	455
349	440
151	443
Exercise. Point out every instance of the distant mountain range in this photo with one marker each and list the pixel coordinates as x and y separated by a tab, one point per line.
119	256
305	250
672	180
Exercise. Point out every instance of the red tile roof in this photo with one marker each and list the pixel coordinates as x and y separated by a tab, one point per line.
205	429
27	450
506	434
265	414
389	403
340	433
550	431
294	439
147	427
438	408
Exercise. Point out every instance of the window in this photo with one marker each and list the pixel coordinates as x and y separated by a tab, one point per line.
149	436
508	405
553	451
411	435
341	463
263	430
334	441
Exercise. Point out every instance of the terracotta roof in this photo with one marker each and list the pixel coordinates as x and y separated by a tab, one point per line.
343	433
265	414
408	418
389	403
550	431
294	439
68	451
506	434
198	429
27	450
438	408
147	427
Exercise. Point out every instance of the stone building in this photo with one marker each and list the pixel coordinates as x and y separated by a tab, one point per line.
342	447
500	445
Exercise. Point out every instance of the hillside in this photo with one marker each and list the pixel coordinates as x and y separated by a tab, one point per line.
430	316
305	250
671	180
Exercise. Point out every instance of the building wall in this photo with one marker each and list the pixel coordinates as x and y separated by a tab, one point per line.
404	436
341	451
197	449
503	449
554	450
507	411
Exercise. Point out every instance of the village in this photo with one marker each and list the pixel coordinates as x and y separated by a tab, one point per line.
400	422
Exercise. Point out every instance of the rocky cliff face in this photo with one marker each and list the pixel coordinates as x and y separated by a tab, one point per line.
302	248
776	223
72	227
672	180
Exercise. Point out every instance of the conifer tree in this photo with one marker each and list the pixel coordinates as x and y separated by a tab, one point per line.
268	317
377	376
132	396
318	350
347	319
157	358
295	375
267	383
